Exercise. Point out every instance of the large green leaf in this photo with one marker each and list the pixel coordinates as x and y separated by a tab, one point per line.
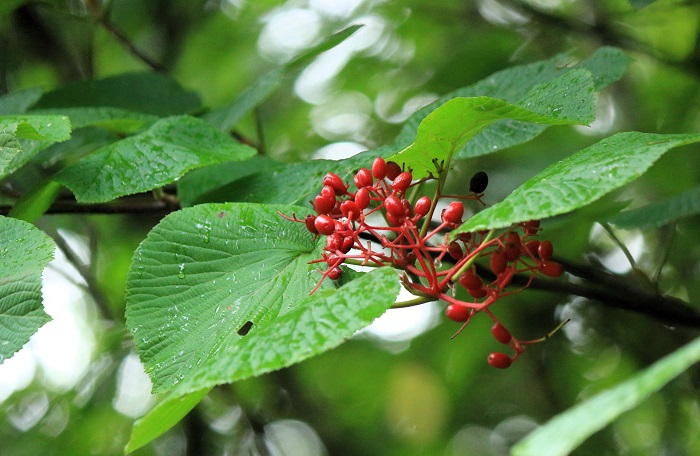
296	183
203	272
317	324
151	159
40	130
226	117
579	180
448	128
18	102
116	120
568	430
24	252
150	93
210	184
513	84
36	201
660	213
162	417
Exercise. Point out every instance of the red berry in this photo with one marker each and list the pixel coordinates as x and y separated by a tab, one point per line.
393	206
323	204
324	224
455	250
402	182
469	280
531	246
350	209
309	222
477	292
392	220
500	333
531	227
499	360
347	244
333	260
392	170
363	178
498	262
458	313
504	278
328	192
512	247
333	242
422	206
453	213
362	198
464	237
545	250
334	181
379	168
551	269
335	273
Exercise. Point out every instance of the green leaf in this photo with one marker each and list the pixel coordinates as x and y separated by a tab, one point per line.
150	93
24	252
116	120
8	6
449	127
566	431
35	202
42	130
606	66
18	102
226	117
208	185
318	323
162	417
203	272
294	183
660	213
579	180
151	159
53	128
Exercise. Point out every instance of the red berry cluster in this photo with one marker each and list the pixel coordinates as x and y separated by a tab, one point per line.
406	239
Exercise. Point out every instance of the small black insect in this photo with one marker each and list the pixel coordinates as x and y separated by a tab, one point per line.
245	328
478	182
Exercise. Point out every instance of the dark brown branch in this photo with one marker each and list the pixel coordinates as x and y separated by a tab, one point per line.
609	289
128	206
85	272
120	36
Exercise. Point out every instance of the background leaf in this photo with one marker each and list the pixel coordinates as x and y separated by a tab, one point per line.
318	323
150	93
204	272
116	120
42	130
578	180
162	417
35	202
25	252
197	185
606	65
18	102
566	431
153	158
661	212
448	128
226	117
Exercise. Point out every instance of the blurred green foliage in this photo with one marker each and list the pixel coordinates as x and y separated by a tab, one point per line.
427	394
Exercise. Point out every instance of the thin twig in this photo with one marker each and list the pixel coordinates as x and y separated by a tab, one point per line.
84	270
120	36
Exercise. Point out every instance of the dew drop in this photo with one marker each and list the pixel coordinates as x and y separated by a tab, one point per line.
181	273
